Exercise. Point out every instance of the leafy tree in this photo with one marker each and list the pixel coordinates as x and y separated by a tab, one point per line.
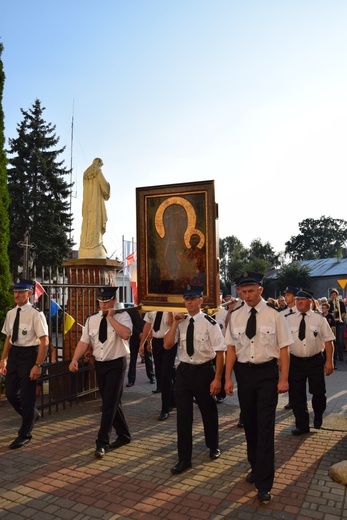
5	279
232	256
236	259
322	238
294	274
263	252
39	194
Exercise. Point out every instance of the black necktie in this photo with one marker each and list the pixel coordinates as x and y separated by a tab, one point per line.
15	327
251	326
190	337
302	327
157	321
103	330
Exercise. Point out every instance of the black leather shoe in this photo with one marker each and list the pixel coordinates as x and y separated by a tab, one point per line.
250	478
219	399
100	452
288	406
19	443
240	424
163	416
214	453
152	381
130	383
264	497
299	431
180	467
317	423
120	441
156	391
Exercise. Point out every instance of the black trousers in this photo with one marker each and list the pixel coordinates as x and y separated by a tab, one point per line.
20	390
301	371
167	379
339	343
258	397
158	353
110	376
194	381
134	351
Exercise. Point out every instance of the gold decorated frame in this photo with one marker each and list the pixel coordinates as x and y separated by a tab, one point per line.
177	244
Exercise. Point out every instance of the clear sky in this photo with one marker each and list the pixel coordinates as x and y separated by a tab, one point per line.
248	93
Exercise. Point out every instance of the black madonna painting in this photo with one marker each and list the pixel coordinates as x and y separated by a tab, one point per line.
176	242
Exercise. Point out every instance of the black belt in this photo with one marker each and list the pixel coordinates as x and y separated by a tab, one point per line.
273	362
319	355
24	346
207	363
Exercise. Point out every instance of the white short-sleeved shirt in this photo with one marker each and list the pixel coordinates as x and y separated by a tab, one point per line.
114	347
272	334
208	339
289	310
32	325
318	331
164	325
220	318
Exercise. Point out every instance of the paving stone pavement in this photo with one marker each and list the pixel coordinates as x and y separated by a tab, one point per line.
56	476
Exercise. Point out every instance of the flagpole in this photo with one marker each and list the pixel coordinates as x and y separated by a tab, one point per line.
123	266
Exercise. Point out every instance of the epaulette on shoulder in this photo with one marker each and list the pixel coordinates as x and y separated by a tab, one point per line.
238	308
210	319
97	312
273	306
36	308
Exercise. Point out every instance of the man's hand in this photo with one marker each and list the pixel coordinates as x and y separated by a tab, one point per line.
229	387
215	386
35	373
73	367
3	370
282	386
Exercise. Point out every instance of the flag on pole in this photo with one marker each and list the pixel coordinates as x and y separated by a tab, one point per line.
132	271
53	308
69	321
39	290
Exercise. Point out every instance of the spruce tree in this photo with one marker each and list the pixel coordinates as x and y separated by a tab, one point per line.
5	279
38	191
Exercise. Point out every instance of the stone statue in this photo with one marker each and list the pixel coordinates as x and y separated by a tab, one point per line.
94	217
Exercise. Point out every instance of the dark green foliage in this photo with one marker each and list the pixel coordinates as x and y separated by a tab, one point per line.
5	280
236	259
322	238
294	274
39	194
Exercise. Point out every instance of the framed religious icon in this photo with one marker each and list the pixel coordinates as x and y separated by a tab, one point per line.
177	244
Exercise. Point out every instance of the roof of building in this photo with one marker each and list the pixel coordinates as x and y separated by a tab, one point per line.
326	267
334	267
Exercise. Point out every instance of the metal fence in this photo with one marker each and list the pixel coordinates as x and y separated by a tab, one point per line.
59	387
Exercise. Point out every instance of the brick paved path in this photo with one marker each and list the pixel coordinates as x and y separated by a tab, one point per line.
57	477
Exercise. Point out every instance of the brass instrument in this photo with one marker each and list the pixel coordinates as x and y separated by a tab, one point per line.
337	309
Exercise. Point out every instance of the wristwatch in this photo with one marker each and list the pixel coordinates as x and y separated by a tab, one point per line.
38	365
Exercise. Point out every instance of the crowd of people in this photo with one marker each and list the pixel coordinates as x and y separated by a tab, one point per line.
266	347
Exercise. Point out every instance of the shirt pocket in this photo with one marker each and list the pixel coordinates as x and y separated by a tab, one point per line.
239	335
23	330
314	331
182	342
267	335
93	334
294	331
202	340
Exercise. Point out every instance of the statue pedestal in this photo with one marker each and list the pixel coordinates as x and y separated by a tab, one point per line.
84	276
